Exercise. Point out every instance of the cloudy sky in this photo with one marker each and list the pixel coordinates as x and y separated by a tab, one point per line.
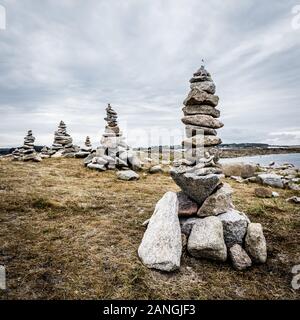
66	59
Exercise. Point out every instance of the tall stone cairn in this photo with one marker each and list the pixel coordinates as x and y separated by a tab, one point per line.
27	151
210	226
201	118
114	153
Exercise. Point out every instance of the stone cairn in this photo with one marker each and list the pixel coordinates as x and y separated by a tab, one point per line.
27	151
63	143
201	217
114	153
85	150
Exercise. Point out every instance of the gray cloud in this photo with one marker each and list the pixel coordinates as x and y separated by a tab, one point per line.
67	59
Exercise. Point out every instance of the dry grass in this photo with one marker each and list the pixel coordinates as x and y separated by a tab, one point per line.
72	233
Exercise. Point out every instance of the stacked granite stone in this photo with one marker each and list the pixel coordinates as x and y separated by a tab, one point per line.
63	143
27	151
201	217
85	150
113	153
201	117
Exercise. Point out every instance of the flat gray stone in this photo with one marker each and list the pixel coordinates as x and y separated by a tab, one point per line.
196	187
127	175
201	109
202	120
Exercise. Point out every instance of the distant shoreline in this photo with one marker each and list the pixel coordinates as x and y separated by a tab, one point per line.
242	152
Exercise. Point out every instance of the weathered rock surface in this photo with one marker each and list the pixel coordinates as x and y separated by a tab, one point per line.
186	206
156	169
203	121
96	166
201	97
196	187
255	243
270	179
244	170
217	203
239	257
263	192
191	131
187	223
207	86
206	140
127	175
161	246
206	240
235	227
201	109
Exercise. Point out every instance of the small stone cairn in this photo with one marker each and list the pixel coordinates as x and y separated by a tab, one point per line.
114	153
27	151
201	217
86	150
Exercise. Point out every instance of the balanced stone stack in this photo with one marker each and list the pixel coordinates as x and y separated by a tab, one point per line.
201	217
201	117
27	151
86	150
63	143
113	153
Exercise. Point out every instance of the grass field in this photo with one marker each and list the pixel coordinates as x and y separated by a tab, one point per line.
71	233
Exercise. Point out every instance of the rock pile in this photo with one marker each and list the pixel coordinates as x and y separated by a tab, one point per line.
63	143
113	153
27	151
86	150
202	212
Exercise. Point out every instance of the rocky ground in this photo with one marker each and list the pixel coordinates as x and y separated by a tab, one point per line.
68	232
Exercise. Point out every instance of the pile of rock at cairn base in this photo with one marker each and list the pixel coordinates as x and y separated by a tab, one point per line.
114	153
63	143
201	218
86	150
27	151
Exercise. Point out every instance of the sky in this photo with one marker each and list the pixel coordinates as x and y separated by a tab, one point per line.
66	59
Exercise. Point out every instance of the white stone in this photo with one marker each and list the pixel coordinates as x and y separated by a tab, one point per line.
127	175
207	240
255	243
161	246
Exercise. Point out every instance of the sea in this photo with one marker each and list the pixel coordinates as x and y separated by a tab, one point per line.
293	158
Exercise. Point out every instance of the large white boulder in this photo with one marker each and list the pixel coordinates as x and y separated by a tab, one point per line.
161	246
